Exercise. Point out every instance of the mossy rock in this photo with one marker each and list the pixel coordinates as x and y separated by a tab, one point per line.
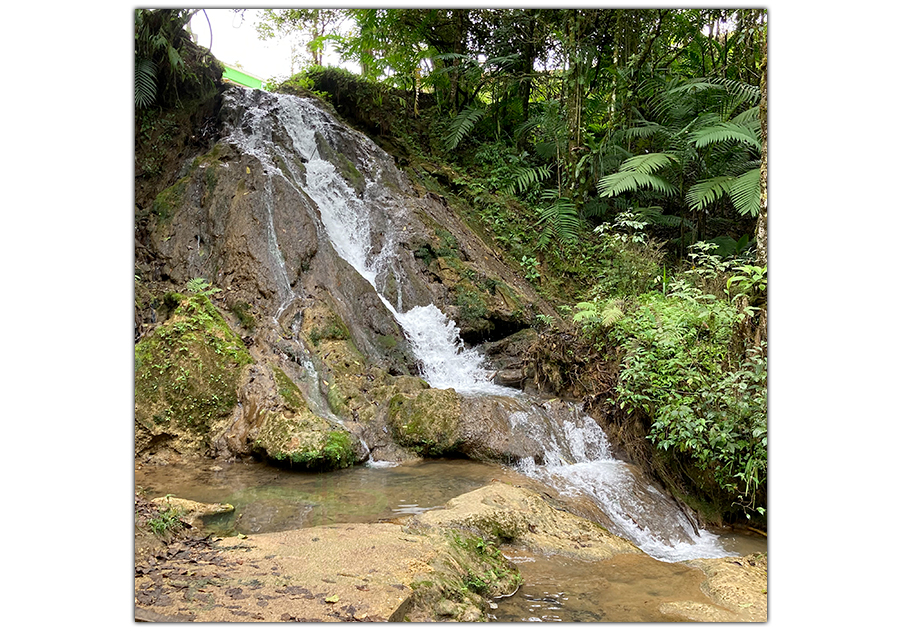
427	422
186	376
304	440
470	572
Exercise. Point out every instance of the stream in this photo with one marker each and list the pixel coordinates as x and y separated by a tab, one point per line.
556	588
286	133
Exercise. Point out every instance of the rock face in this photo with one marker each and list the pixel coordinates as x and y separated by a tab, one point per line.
186	377
738	586
249	218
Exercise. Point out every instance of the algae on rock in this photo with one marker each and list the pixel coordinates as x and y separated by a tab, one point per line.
296	436
186	377
428	422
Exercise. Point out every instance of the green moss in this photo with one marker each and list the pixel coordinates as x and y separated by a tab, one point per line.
472	571
472	305
337	400
169	200
333	330
288	390
448	245
428	422
308	441
187	370
386	342
244	315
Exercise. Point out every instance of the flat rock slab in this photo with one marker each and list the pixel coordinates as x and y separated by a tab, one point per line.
738	584
350	572
506	513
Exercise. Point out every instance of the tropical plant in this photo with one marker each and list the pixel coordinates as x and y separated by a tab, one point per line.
201	286
161	49
701	145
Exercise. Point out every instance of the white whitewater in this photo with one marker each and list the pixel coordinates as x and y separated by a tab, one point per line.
577	455
578	461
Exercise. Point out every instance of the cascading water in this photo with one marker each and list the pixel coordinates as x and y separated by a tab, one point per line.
577	456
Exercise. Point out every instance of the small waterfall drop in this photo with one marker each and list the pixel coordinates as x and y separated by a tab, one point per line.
577	455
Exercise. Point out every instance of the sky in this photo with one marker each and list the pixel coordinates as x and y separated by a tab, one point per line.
234	41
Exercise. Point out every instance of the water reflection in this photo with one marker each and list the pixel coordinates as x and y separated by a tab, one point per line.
270	500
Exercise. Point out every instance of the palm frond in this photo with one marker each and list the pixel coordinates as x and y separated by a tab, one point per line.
525	177
559	220
745	193
654	216
647	163
706	192
726	132
623	181
747	117
643	130
144	83
743	91
461	126
546	149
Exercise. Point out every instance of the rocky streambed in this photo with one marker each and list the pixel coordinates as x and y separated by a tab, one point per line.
462	562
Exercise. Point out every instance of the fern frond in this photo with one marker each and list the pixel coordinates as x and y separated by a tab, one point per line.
587	311
526	177
745	193
612	313
461	126
623	181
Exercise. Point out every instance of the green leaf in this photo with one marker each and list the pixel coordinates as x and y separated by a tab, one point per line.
623	181
745	193
461	126
647	163
706	192
726	132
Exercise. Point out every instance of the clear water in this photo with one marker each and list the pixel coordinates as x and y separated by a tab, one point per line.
556	588
626	588
268	499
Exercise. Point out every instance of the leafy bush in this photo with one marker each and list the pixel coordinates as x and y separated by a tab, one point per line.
166	522
704	401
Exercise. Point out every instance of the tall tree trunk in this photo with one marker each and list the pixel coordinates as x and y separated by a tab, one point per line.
574	95
762	232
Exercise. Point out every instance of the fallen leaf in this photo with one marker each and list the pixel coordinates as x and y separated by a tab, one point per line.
332	599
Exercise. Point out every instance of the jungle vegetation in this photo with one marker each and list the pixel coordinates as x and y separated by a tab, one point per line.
619	157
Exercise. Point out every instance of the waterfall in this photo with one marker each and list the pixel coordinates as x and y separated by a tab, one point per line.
577	455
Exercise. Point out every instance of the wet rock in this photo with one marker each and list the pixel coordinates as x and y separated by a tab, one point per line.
507	514
739	585
191	512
